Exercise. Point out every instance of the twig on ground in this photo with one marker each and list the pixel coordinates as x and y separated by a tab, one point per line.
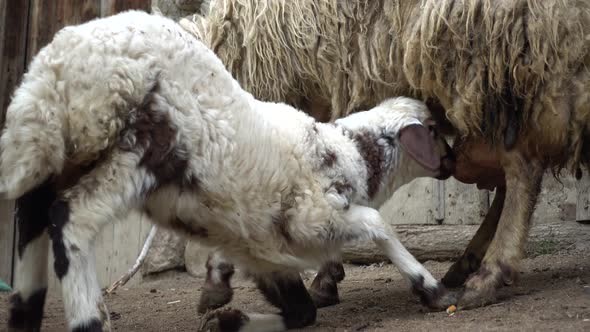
127	276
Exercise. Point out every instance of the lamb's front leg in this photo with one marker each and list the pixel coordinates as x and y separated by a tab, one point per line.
284	290
217	290
366	223
499	265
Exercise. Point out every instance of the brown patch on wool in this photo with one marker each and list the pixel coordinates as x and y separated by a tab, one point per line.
373	155
150	131
281	219
329	158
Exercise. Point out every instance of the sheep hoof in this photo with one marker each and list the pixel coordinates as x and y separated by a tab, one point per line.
214	297
323	299
222	320
480	290
457	274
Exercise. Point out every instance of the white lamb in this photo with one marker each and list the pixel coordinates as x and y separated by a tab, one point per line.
131	112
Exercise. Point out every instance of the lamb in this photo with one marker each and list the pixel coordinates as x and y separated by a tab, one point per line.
510	79
131	111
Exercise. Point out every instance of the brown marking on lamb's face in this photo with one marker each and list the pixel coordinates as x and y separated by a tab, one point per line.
149	129
342	186
372	153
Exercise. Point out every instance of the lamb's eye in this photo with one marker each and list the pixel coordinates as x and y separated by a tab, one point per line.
389	139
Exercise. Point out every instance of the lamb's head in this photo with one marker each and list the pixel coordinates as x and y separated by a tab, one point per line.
399	141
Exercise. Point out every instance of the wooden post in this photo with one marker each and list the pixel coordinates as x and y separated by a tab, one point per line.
115	6
583	202
13	35
484	202
439	193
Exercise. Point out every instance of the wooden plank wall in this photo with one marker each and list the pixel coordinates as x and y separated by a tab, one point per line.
13	31
25	27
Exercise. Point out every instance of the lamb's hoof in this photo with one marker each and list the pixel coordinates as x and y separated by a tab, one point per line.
223	320
214	297
436	298
323	299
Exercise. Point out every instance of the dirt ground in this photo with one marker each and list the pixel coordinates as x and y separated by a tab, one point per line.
553	294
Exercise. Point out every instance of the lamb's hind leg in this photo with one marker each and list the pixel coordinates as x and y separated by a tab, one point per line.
32	215
284	290
470	261
217	290
499	265
100	197
365	222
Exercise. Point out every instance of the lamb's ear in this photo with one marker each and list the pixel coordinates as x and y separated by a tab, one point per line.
420	145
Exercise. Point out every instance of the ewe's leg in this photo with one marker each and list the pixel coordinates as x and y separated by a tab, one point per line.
217	290
102	196
365	222
523	182
324	288
32	215
283	290
471	258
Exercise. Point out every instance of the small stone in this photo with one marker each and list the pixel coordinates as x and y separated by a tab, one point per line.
153	290
166	253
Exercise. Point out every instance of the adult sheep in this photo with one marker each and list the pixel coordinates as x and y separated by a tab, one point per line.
510	77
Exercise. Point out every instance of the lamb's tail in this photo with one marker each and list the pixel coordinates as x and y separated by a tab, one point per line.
32	143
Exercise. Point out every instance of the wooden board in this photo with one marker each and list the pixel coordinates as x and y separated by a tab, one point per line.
447	242
7	246
13	29
115	6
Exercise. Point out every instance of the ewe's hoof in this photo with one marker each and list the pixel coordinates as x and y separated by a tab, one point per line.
456	275
480	289
223	320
